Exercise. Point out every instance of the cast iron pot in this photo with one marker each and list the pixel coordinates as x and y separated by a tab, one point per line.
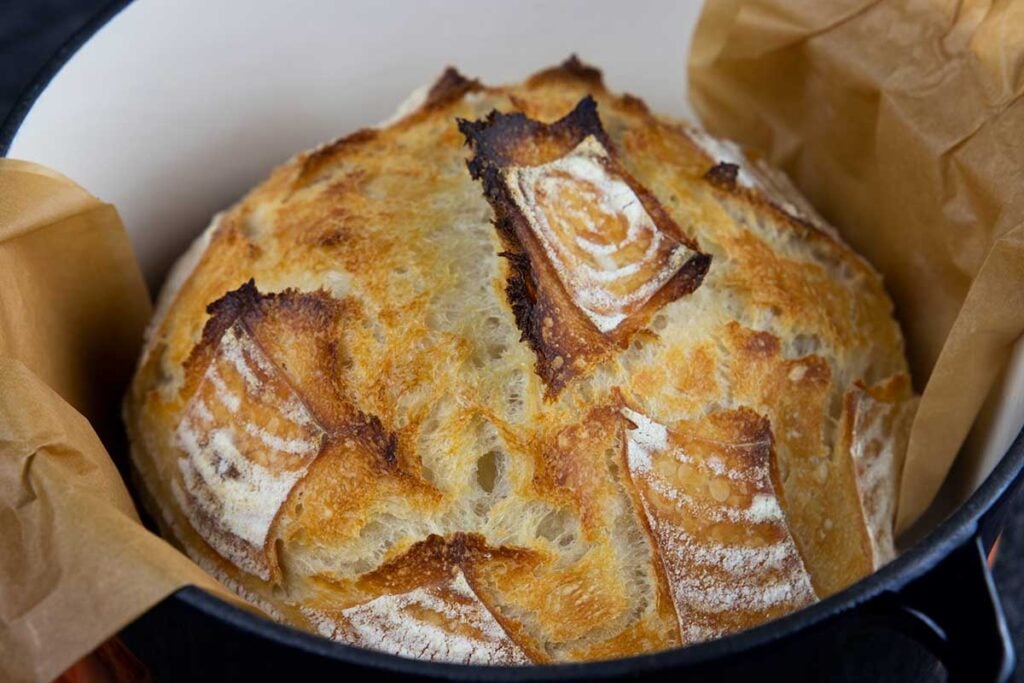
931	613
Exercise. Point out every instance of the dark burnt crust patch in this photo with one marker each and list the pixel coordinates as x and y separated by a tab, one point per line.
503	140
723	175
370	432
564	340
563	344
252	310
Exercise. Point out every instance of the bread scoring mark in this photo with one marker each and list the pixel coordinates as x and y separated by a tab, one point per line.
248	439
574	470
592	252
734	172
708	489
427	606
444	621
875	427
261	404
602	243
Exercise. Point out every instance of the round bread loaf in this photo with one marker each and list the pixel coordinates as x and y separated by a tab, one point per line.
529	374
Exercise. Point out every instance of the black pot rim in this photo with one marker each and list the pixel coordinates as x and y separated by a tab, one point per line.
957	529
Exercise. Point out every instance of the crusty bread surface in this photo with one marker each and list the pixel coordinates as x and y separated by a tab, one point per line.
529	374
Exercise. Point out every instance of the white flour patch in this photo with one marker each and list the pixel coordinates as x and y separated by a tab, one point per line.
604	276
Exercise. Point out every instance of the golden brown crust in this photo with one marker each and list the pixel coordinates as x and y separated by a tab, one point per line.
354	412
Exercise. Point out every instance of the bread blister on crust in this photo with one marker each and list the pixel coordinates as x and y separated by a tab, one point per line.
582	235
465	501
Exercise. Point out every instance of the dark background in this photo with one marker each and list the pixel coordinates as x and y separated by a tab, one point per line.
32	30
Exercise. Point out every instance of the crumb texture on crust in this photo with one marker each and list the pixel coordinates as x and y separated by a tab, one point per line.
526	374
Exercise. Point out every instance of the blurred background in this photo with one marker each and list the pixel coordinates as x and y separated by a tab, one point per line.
33	31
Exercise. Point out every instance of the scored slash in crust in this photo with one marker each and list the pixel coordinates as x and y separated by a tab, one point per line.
261	406
428	605
711	493
592	252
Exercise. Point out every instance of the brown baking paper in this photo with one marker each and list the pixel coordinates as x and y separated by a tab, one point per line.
902	121
76	564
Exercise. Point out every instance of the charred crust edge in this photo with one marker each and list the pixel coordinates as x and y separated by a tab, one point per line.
724	176
530	309
496	139
450	85
246	304
498	142
573	68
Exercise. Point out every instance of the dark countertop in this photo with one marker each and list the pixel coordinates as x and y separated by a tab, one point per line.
32	30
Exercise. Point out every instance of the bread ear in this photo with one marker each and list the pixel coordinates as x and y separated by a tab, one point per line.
873	435
592	252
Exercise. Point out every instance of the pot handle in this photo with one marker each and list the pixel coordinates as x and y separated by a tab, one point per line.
955	612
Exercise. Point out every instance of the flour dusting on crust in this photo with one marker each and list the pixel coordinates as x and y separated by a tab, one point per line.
604	246
443	622
721	533
248	439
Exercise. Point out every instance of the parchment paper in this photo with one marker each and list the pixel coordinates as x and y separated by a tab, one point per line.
75	563
902	121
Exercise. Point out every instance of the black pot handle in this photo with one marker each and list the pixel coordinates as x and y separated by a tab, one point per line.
954	610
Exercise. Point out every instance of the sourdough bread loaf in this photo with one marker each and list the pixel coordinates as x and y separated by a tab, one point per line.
528	374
